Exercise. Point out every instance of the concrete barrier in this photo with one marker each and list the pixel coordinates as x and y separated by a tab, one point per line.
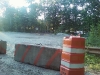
38	55
3	46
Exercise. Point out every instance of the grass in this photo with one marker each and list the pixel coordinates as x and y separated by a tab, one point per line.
92	62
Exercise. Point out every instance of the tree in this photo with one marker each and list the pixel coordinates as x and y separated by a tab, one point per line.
9	17
94	35
91	14
59	12
59	15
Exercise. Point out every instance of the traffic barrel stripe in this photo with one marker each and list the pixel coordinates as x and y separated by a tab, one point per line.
69	71
74	43
73	57
69	65
73	50
38	56
57	52
25	53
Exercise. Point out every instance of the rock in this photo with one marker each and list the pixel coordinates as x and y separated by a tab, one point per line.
62	34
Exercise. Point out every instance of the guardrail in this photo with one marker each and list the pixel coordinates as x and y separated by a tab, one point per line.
94	50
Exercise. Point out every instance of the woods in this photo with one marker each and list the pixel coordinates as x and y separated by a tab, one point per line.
59	16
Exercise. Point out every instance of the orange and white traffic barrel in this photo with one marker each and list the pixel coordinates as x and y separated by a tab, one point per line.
72	58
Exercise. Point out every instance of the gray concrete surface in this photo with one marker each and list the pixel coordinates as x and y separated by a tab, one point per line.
49	58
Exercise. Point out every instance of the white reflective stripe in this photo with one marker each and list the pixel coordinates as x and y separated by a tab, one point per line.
73	50
66	64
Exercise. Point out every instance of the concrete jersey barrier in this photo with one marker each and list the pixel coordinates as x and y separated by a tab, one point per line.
39	56
3	46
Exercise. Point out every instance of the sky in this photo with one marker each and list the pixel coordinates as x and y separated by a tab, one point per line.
20	3
17	3
1	11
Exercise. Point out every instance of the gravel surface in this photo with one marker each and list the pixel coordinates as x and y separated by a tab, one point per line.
8	66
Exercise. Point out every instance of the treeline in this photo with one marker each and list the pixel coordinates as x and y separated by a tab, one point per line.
59	16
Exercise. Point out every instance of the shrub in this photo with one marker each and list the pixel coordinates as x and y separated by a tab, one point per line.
92	62
94	36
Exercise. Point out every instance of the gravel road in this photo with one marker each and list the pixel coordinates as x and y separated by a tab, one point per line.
8	66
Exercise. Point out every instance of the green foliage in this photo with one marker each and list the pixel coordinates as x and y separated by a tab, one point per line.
18	19
60	29
94	36
92	62
56	13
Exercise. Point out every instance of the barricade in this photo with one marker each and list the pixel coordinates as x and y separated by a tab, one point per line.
72	58
3	46
39	56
